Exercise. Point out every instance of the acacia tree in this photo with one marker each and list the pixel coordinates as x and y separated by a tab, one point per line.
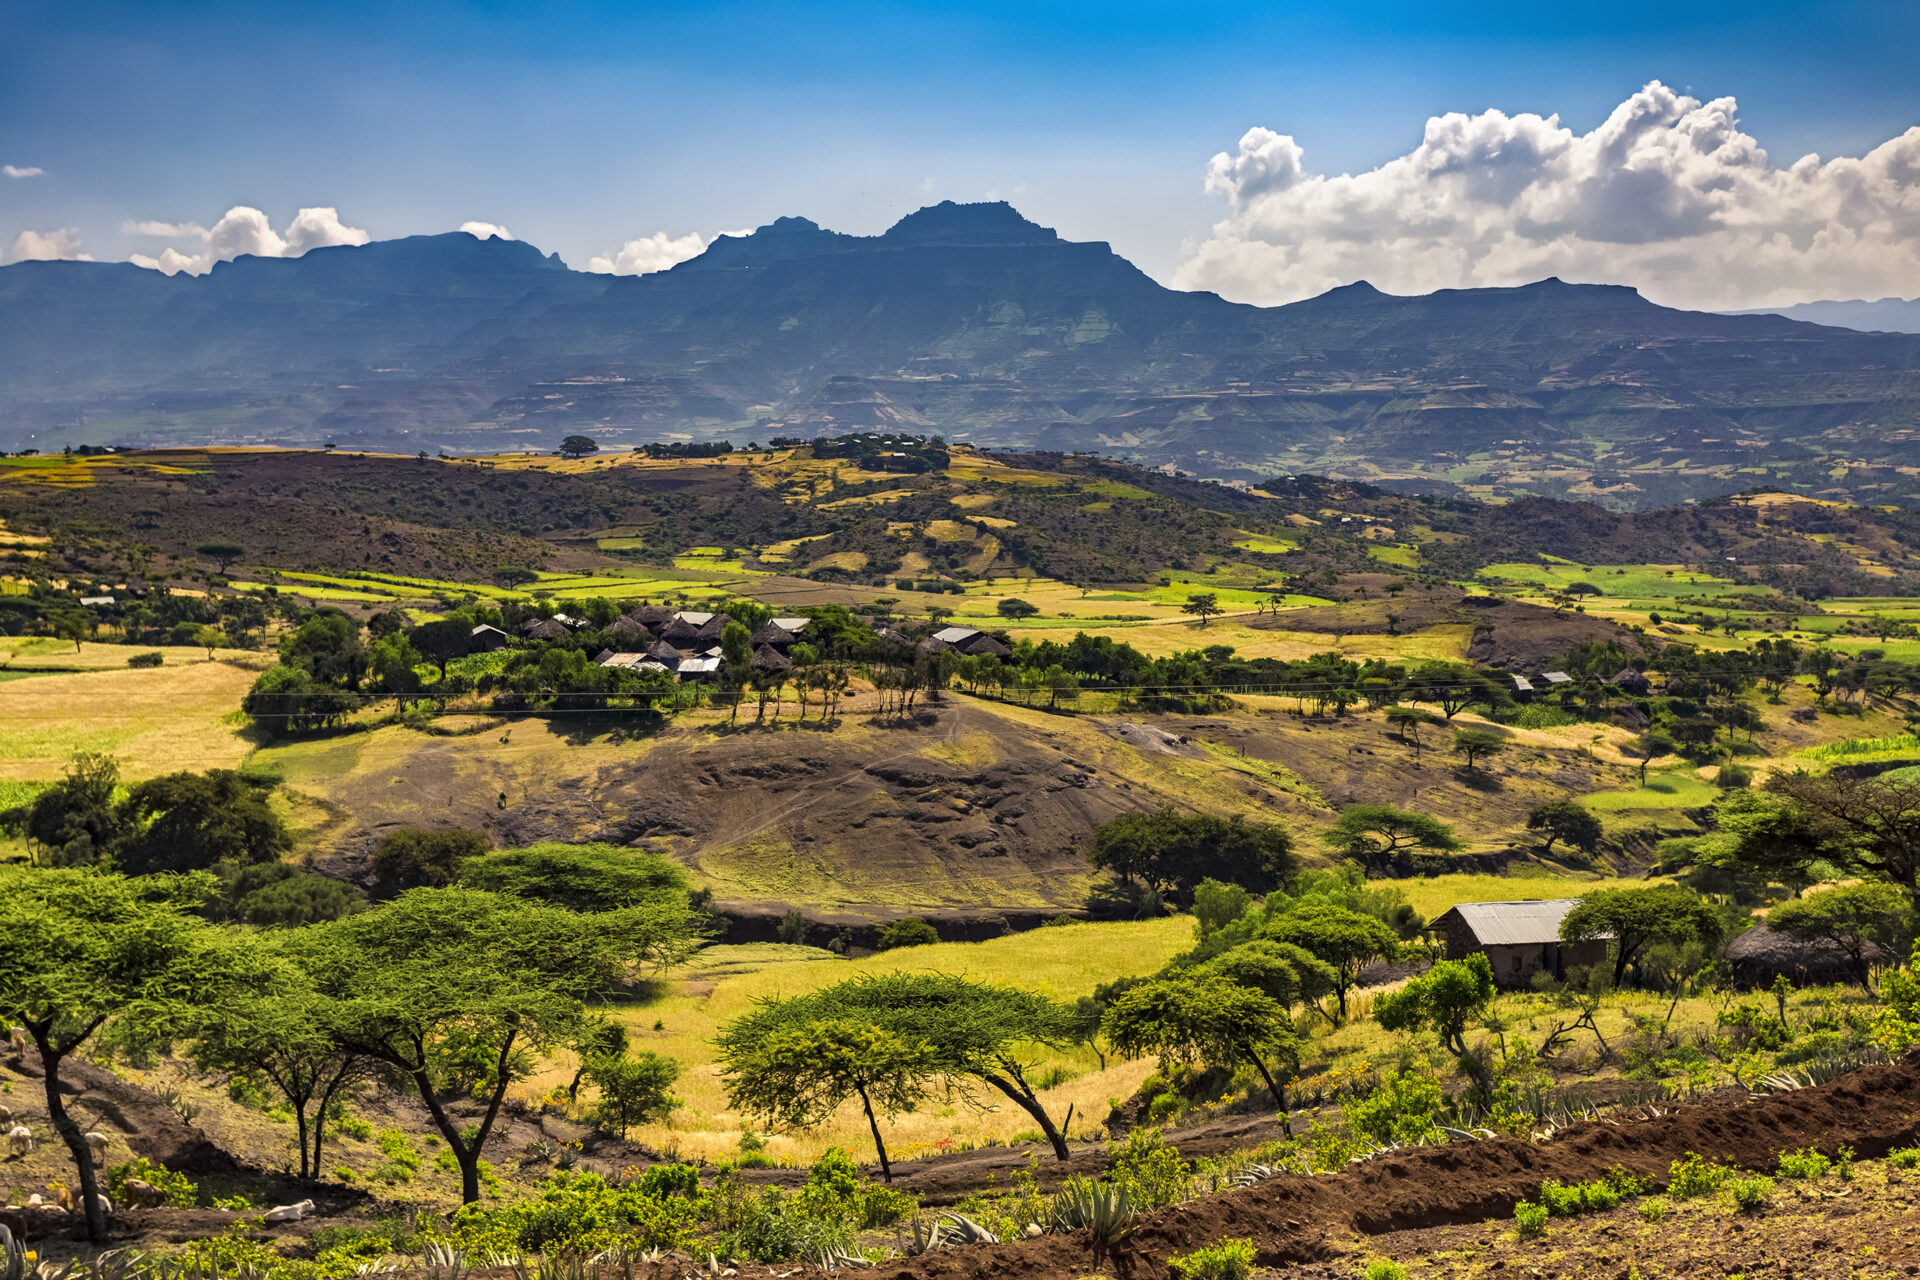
1872	824
1408	721
1280	971
82	949
1365	830
1634	919
1343	939
221	553
634	1088
457	990
1203	605
1206	1018
279	1030
1566	820
978	1032
1444	1000
799	1072
1475	743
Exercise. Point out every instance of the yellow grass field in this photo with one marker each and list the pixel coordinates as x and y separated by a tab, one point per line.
723	982
155	721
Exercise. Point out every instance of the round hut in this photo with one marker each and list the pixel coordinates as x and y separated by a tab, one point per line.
1760	955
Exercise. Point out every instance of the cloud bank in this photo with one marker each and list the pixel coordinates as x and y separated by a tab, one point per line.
243	230
656	252
48	246
21	171
1667	195
486	230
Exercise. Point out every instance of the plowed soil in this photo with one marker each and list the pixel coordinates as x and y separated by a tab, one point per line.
1296	1220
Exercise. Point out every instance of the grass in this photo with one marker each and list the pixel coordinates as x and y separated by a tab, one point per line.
1677	790
156	721
725	981
1616	581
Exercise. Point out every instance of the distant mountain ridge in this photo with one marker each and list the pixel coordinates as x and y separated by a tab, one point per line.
1887	315
968	320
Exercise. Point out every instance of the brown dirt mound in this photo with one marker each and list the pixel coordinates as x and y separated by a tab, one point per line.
1296	1220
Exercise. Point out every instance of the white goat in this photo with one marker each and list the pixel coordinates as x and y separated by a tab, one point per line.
288	1212
97	1144
20	1138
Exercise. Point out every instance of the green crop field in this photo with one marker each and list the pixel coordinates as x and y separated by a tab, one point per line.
1628	581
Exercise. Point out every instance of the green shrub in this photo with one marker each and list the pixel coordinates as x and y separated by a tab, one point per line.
1843	1163
176	1189
143	660
1806	1164
1750	1194
1228	1260
1696	1177
1383	1269
1904	1157
1149	1171
1653	1210
911	932
394	1145
1529	1219
1401	1110
1564	1200
353	1127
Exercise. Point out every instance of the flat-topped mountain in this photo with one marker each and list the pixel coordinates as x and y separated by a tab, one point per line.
963	319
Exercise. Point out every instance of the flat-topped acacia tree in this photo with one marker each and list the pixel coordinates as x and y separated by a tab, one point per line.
458	990
957	1030
82	950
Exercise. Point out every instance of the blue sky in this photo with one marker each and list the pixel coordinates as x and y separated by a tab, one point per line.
582	126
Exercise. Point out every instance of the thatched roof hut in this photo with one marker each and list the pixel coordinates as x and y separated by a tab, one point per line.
766	658
1760	955
545	629
626	626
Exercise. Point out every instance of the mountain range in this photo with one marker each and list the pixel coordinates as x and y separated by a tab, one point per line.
966	320
1886	315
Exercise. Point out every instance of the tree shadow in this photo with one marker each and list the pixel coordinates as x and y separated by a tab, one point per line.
1478	780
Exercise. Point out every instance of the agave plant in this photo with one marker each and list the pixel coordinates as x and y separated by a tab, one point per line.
442	1261
831	1257
1104	1209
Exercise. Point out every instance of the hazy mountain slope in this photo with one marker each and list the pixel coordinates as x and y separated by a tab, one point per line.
1887	315
964	319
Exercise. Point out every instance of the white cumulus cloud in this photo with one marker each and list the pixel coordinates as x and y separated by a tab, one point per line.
48	246
21	170
656	252
486	230
240	231
1667	195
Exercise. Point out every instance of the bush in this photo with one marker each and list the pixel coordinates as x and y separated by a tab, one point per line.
1653	1210
142	661
1529	1219
1150	1172
911	932
1401	1110
176	1189
1696	1177
1565	1200
1383	1269
1750	1194
1806	1164
416	857
1904	1157
353	1127
1228	1260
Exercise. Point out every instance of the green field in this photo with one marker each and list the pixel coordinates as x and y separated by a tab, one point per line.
1619	581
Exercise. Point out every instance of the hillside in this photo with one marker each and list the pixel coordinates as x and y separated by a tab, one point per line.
965	320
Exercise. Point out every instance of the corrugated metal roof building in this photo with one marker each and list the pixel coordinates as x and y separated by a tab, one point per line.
1519	939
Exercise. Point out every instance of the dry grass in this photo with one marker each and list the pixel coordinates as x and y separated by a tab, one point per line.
156	721
724	982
